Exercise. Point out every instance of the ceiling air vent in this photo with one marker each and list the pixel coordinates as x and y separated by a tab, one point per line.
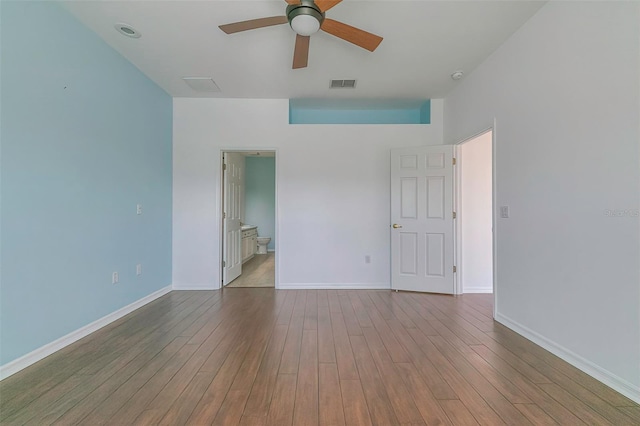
342	84
201	84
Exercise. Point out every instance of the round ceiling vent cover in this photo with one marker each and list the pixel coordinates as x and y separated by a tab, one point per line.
127	30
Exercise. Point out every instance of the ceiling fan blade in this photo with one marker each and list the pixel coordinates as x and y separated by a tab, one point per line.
351	34
301	52
325	5
293	1
252	24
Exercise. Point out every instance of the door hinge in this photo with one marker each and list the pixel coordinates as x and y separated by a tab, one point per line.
224	264
454	215
454	161
224	167
224	215
455	269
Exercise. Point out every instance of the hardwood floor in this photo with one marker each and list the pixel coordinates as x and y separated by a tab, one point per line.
257	272
259	356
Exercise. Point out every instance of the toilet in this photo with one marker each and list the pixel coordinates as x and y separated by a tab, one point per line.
262	244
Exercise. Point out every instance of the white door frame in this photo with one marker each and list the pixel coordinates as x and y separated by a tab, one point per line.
220	203
458	223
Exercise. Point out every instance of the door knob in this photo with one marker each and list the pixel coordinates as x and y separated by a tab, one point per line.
396	226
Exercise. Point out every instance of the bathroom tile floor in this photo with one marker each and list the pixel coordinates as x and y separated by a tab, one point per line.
257	272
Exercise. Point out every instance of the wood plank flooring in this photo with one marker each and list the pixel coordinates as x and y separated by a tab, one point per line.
259	356
260	271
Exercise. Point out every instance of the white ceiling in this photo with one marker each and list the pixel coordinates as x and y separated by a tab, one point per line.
424	42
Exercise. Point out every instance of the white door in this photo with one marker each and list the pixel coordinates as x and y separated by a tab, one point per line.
422	247
233	195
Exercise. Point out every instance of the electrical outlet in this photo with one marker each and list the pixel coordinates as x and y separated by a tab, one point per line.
114	278
367	259
139	269
138	208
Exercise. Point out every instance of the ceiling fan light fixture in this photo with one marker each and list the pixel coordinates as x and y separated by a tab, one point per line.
305	18
305	25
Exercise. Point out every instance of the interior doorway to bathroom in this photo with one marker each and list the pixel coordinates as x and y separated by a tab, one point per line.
248	189
474	208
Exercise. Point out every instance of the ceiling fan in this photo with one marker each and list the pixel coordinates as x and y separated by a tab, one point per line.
306	17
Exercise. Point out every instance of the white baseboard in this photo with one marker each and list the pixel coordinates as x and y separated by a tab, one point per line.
44	351
615	382
334	286
477	290
271	250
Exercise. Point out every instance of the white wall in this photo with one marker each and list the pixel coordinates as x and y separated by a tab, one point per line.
564	91
476	263
332	190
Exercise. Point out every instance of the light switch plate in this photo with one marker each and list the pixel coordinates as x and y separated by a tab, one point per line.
504	212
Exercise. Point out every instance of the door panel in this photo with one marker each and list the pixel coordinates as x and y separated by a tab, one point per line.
422	210
409	253
409	198
435	255
435	197
234	193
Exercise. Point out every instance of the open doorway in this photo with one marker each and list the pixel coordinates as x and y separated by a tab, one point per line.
248	214
474	208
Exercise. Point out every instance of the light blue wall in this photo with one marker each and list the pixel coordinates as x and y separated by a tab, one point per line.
322	111
85	137
260	196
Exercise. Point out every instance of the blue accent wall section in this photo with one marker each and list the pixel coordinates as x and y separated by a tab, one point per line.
260	196
310	111
425	112
85	137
